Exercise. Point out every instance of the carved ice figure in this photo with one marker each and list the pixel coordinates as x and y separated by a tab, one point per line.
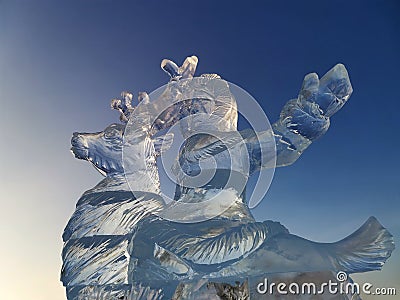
161	253
95	256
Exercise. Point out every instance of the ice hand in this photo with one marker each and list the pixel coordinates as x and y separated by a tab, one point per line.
307	118
308	115
330	93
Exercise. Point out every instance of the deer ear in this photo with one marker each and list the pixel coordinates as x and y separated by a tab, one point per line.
163	143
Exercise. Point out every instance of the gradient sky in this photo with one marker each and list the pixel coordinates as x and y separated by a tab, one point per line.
62	61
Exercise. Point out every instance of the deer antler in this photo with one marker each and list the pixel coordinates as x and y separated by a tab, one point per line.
185	71
125	106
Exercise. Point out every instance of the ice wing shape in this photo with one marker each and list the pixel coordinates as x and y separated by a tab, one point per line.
214	242
367	249
232	244
110	213
96	260
254	143
214	146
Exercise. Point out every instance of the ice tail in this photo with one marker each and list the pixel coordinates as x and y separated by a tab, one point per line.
367	249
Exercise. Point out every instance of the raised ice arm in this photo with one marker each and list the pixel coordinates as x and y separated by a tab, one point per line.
305	119
302	121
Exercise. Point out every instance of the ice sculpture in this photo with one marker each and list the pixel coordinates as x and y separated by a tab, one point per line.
123	240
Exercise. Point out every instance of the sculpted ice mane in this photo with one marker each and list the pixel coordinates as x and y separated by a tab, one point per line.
118	245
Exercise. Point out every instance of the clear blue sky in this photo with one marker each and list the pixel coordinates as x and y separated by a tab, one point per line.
62	61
